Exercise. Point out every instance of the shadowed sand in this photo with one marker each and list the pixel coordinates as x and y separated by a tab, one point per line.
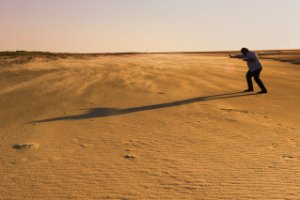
106	112
147	126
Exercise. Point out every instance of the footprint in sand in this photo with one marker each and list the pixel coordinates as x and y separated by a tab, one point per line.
77	139
136	143
83	145
286	157
161	93
273	145
284	128
292	142
130	157
25	146
234	110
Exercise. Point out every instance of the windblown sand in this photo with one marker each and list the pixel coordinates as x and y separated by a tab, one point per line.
148	127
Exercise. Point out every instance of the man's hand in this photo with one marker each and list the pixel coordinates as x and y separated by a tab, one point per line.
236	56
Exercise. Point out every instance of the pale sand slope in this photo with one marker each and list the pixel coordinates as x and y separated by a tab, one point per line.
148	127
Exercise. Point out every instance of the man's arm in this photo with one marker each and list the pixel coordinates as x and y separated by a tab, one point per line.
245	58
237	56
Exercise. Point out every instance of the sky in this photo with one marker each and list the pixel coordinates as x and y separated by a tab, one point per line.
148	25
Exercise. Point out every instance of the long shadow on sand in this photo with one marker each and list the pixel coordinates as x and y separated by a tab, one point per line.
106	112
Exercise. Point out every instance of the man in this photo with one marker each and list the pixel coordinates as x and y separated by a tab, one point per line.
255	68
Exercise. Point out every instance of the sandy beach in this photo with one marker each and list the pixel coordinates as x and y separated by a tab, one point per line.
148	126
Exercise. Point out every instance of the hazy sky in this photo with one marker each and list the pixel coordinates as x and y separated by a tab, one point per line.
148	25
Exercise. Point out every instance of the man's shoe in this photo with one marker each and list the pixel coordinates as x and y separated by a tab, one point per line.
249	90
263	92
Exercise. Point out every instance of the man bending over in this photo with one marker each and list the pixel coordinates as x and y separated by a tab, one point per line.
255	68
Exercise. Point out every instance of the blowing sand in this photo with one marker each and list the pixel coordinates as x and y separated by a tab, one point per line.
157	126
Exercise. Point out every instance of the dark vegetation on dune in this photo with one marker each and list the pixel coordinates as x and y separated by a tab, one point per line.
292	56
21	57
40	53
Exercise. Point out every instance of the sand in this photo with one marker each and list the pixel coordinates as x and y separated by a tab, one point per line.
147	126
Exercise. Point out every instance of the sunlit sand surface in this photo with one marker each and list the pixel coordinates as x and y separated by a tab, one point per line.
147	126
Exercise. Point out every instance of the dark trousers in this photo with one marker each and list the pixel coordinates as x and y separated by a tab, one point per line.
255	74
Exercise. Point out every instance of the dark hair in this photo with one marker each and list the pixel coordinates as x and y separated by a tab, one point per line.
244	51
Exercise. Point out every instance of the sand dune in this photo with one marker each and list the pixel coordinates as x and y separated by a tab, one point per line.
147	126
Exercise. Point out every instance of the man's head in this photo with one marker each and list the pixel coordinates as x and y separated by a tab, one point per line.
244	51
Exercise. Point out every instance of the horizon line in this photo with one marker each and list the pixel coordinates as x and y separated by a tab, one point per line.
141	52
